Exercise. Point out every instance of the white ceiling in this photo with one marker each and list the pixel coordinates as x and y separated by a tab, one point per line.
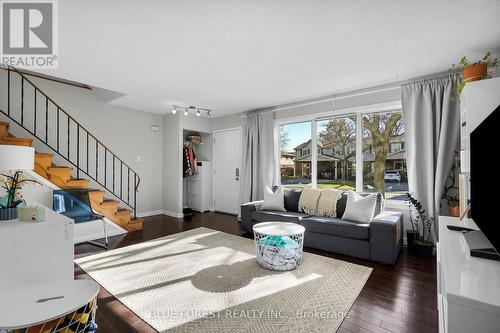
234	56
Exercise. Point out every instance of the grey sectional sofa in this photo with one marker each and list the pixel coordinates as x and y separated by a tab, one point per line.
380	240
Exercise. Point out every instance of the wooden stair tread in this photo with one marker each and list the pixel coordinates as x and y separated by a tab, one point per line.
136	221
108	202
57	167
78	182
44	154
123	211
16	141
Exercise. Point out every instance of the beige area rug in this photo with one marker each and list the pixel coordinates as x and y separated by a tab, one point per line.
204	280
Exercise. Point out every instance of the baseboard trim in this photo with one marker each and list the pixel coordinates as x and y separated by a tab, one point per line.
173	214
150	213
161	212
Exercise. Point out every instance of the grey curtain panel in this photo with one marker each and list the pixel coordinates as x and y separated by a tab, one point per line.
432	127
257	168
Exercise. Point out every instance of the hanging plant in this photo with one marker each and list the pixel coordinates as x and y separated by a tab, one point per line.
472	71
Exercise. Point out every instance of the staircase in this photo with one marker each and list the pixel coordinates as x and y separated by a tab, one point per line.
75	146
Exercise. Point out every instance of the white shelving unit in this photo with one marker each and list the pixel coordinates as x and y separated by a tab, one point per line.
37	272
468	287
200	188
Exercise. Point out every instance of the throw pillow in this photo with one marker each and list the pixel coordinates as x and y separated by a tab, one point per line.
308	202
292	197
327	203
274	200
360	209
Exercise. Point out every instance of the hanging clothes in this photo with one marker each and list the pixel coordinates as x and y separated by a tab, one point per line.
190	165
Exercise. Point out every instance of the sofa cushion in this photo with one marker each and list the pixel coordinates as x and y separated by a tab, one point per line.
337	227
271	215
342	202
292	197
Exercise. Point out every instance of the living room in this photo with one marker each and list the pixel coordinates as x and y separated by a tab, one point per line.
249	166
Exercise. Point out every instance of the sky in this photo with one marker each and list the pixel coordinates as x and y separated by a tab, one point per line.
299	133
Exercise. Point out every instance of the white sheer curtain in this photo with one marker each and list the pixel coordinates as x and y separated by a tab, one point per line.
432	127
257	168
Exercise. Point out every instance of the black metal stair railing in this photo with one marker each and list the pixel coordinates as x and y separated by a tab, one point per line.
52	125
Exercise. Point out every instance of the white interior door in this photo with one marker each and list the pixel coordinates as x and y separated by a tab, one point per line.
227	166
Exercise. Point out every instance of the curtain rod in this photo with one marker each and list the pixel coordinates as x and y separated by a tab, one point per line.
359	92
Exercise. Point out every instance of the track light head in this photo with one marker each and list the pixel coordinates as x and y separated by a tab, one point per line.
198	113
186	112
174	110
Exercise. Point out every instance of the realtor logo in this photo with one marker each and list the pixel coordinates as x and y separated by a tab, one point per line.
29	34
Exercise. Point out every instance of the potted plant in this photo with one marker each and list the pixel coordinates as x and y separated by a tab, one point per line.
422	247
473	71
12	198
450	193
413	234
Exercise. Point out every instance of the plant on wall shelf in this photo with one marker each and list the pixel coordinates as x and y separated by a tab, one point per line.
422	246
13	199
473	71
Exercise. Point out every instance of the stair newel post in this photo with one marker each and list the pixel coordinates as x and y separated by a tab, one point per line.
57	126
113	174
69	157
105	166
87	153
78	151
8	91
22	101
96	160
47	122
121	179
34	117
135	195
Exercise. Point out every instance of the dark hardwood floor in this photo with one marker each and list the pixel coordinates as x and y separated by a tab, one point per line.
395	299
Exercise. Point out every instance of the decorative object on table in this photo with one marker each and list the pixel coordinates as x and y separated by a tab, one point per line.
14	158
422	247
473	71
450	193
31	214
278	245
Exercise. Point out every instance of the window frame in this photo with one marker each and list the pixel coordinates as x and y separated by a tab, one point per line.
359	111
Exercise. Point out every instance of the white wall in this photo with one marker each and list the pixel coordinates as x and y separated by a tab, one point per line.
172	180
126	132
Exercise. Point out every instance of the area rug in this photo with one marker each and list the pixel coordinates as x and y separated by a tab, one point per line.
204	280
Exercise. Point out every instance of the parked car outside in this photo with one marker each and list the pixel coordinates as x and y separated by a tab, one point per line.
393	176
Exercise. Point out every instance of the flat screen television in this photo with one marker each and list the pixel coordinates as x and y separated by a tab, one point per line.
485	177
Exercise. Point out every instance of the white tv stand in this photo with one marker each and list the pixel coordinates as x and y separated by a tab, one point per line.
468	287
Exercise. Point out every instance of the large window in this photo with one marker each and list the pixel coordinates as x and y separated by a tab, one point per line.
330	162
384	155
296	157
336	159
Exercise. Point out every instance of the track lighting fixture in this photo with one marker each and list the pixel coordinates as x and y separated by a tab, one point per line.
187	110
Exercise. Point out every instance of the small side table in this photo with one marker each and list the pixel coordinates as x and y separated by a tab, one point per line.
278	245
52	308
